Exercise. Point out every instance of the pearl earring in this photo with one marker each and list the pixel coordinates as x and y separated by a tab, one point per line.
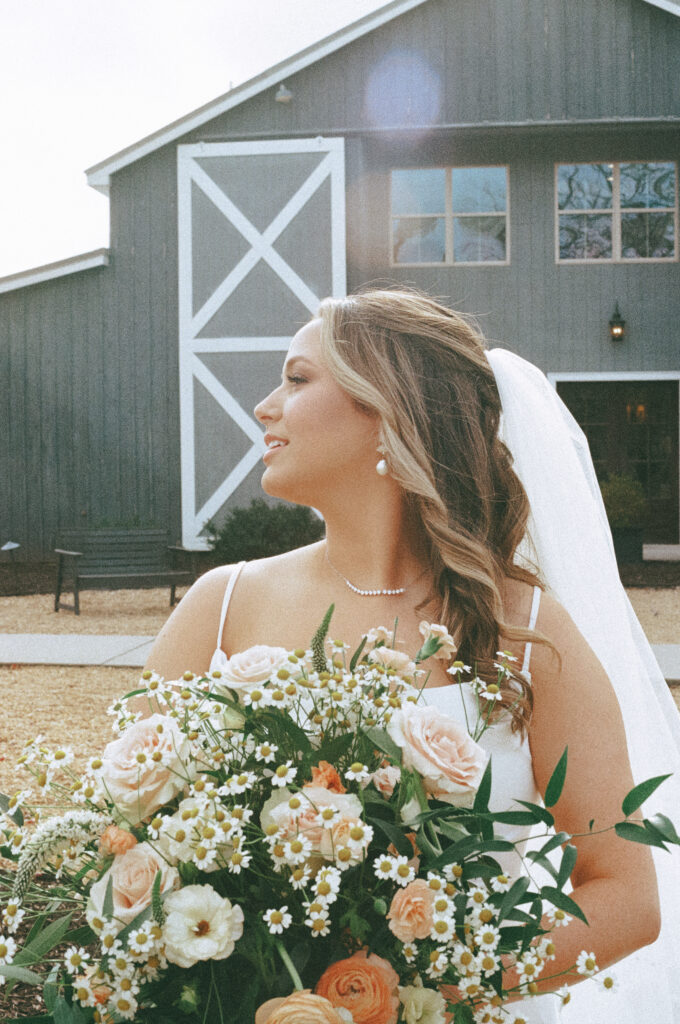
382	469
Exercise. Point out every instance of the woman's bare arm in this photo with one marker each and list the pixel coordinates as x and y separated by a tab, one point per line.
614	880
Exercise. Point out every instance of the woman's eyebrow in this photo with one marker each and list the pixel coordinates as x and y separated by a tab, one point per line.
295	359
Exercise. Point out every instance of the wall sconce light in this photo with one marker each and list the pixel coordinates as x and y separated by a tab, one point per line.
283	95
617	325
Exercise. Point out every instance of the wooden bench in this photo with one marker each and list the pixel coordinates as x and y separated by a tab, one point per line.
110	559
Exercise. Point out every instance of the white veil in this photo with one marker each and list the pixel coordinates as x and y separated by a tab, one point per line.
569	540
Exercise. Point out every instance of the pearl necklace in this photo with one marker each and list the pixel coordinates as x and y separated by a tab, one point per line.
379	592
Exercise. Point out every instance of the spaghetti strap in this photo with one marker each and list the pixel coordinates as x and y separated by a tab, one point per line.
535	603
225	602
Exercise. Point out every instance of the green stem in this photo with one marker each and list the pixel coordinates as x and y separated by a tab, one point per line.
290	966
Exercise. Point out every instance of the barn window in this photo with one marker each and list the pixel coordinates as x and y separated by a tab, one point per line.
616	212
450	215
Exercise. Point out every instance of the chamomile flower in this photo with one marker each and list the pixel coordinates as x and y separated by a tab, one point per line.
409	951
297	849
239	860
488	937
257	698
300	876
608	981
500	883
402	871
12	915
489	963
266	752
443	928
565	994
75	958
240	783
319	924
284	774
558	917
357	772
142	940
124	1004
438	963
277	919
586	963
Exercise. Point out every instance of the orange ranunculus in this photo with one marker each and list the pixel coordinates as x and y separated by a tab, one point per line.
115	841
365	985
410	913
324	774
298	1007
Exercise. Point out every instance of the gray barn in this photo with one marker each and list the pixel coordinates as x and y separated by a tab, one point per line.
517	157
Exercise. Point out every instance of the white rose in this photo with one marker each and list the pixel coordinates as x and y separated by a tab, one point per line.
390	658
200	925
132	876
449	761
248	669
422	1005
145	768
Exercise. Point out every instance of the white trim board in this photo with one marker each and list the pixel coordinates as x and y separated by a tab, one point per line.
73	265
98	176
611	375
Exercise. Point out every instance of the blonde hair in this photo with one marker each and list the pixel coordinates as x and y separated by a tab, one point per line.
422	368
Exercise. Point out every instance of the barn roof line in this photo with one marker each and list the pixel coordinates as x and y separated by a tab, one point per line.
99	175
71	265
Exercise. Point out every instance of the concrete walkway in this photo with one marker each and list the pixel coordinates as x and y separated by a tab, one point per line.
73	649
132	651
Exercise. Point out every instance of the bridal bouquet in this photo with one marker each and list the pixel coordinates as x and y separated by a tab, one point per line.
296	839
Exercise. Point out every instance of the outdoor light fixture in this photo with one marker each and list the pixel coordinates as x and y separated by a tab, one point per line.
617	325
283	95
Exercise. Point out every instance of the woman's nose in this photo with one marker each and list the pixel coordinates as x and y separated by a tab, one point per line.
264	410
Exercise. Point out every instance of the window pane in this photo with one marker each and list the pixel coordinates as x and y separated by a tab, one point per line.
419	191
419	240
584	186
479	239
648	185
478	189
647	236
584	237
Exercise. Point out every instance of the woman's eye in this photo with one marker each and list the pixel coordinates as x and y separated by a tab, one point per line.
297	380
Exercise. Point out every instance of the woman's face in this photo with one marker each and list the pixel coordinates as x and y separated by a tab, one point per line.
325	438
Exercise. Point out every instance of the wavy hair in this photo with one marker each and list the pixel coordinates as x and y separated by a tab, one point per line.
422	368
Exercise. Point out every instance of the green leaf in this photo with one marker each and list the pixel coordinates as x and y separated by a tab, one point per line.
557	840
142	916
22	974
44	941
51	989
395	835
383	741
516	818
638	834
665	826
452	831
357	654
537	857
462	1013
639	794
564	902
513	896
16	816
567	864
62	1012
107	909
554	788
543	814
484	792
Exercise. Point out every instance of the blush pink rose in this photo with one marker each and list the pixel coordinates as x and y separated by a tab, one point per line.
385	779
449	761
299	1007
132	875
410	913
248	669
144	769
448	644
390	658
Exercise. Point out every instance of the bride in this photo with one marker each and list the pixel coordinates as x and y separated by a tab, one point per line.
387	421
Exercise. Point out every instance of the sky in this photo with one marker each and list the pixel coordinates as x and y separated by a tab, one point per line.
82	79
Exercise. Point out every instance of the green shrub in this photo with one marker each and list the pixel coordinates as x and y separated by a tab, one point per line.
624	500
262	530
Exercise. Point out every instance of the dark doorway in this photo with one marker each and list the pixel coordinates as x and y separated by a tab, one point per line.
632	427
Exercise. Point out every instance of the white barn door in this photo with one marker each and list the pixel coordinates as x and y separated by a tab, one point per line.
261	242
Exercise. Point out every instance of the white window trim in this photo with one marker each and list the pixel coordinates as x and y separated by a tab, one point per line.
605	376
615	211
448	216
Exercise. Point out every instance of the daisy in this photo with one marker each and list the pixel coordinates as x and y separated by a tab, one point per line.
608	981
557	917
443	929
300	876
266	752
357	772
284	774
586	963
402	871
277	920
75	958
409	952
319	925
